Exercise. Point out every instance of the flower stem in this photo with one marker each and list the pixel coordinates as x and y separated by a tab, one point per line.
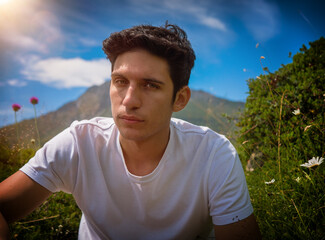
17	128
279	136
39	139
18	142
299	214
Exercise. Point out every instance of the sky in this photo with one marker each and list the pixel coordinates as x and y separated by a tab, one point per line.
52	49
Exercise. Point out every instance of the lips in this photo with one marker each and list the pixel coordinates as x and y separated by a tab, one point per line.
130	119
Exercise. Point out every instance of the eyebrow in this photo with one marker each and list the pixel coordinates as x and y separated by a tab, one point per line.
152	80
117	75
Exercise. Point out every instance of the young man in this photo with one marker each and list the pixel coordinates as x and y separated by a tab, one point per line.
141	175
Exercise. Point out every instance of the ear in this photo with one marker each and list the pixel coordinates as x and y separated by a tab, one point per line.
182	97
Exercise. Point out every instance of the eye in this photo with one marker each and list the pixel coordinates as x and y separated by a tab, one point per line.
120	81
151	85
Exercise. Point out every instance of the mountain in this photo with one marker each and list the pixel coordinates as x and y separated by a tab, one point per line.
203	109
208	110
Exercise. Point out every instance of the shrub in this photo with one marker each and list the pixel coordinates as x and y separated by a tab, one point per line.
284	122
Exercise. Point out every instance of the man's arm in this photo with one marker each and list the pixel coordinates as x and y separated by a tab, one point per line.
19	196
243	229
4	228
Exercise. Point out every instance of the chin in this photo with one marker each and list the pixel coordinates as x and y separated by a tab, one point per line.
132	135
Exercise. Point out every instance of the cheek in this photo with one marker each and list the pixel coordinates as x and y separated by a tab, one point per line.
113	98
163	110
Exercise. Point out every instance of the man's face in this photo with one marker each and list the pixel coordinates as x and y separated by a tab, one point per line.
141	96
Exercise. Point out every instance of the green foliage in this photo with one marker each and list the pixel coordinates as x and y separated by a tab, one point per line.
13	158
57	218
284	121
291	208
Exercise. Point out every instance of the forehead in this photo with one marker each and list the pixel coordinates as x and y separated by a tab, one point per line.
141	63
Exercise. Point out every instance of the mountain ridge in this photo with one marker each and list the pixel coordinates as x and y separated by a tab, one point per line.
203	109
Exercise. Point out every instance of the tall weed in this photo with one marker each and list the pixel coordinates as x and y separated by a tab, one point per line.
284	124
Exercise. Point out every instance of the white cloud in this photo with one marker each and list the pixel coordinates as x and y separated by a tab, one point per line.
196	10
21	41
212	22
260	18
16	83
200	13
89	42
67	73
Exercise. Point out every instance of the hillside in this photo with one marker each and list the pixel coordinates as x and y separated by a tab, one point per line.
203	109
208	110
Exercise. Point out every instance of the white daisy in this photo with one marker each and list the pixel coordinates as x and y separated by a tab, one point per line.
296	112
313	162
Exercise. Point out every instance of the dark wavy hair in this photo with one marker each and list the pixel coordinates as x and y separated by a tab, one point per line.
169	42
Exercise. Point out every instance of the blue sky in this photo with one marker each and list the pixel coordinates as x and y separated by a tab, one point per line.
51	49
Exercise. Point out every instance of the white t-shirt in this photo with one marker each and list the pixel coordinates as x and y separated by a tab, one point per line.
199	178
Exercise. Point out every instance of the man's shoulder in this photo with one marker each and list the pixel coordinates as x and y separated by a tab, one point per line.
187	127
191	132
102	123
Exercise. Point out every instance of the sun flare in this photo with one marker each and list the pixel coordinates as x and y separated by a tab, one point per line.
4	2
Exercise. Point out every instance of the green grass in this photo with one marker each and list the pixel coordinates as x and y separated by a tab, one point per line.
293	206
57	218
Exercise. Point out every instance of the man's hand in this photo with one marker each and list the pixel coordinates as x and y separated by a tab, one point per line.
243	229
4	229
19	195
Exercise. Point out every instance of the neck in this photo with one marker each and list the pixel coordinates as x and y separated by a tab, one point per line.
142	157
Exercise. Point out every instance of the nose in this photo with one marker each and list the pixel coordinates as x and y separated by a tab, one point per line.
132	98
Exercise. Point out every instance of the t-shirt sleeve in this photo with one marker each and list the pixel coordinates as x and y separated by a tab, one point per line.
54	165
229	200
